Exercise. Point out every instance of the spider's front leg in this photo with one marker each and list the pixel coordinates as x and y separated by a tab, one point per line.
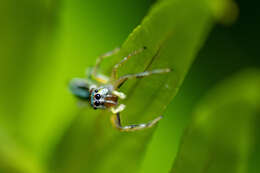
116	121
94	72
122	79
116	66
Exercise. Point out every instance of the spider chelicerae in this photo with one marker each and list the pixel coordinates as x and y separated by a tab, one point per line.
102	92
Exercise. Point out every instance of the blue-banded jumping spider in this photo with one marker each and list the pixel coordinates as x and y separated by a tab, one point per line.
102	92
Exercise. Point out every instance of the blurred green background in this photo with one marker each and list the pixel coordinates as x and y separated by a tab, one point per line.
44	43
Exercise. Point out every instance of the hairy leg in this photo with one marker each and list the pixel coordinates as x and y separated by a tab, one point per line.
122	79
116	66
94	72
116	121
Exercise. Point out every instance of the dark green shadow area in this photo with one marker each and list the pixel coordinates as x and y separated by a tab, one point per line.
221	135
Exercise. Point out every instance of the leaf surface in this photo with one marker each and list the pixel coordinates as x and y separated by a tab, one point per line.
173	31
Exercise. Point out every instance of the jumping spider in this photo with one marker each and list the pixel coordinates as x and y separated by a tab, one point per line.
104	94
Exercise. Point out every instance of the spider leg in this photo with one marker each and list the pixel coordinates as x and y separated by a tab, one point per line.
118	83
94	71
116	66
120	108
121	95
116	121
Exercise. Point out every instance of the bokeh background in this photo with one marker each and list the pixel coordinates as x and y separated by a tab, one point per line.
44	43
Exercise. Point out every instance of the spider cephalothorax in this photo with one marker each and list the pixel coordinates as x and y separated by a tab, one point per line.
102	98
102	92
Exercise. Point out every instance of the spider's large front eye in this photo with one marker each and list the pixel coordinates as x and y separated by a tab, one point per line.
97	96
97	103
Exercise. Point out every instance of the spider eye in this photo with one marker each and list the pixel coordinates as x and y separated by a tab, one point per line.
96	90
97	103
97	96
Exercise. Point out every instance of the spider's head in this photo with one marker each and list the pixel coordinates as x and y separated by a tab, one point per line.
101	98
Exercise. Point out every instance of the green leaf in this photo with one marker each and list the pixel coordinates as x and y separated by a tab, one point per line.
173	31
223	134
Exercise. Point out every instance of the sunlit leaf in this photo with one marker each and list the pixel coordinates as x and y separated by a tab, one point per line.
173	31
